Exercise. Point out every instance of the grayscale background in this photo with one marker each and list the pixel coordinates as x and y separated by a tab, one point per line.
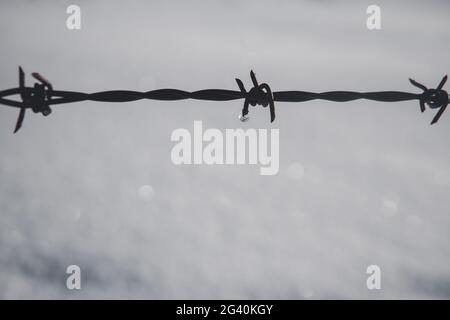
360	183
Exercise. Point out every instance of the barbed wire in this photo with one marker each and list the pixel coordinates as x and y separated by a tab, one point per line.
41	96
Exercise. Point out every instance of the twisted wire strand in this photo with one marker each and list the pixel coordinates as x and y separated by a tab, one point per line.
344	96
62	97
40	97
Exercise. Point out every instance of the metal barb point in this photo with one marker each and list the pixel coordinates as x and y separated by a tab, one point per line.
260	94
434	98
37	98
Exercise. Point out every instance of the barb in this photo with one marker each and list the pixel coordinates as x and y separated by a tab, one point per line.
41	96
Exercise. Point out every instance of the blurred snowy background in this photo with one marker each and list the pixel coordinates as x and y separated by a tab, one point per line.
360	183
